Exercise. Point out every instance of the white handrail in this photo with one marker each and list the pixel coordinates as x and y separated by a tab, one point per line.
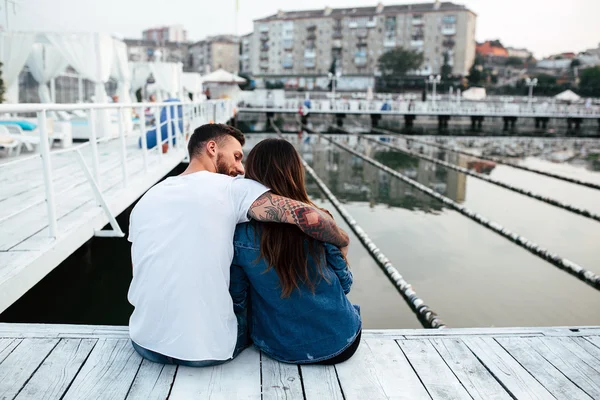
216	110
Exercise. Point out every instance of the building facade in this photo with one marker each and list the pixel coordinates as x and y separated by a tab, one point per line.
172	33
214	52
150	50
306	43
245	53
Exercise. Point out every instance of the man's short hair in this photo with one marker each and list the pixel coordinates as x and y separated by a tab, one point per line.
216	132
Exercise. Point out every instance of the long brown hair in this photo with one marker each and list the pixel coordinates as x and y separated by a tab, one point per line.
276	164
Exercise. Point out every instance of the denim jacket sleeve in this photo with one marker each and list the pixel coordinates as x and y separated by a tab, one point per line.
337	262
238	287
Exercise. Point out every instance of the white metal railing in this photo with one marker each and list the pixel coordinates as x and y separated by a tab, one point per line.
189	115
445	107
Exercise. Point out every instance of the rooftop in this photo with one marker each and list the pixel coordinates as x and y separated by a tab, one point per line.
364	11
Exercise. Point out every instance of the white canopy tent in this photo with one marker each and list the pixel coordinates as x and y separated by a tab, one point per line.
15	48
474	93
223	77
223	84
567	95
167	77
192	84
45	63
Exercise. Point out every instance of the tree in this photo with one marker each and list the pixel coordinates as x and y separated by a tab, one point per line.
575	63
589	82
446	68
514	62
398	61
2	88
477	75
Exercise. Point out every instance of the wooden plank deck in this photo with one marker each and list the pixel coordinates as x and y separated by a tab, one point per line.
98	362
27	253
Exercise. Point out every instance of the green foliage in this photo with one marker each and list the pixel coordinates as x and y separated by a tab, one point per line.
514	61
398	61
575	63
446	68
589	82
477	76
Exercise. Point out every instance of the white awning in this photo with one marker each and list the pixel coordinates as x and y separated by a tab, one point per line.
567	95
222	76
474	93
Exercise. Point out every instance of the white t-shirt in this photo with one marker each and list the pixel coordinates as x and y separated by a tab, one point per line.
182	247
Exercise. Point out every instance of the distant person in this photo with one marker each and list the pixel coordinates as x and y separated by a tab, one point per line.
207	93
296	286
182	231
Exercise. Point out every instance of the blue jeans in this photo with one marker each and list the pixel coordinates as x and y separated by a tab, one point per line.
243	341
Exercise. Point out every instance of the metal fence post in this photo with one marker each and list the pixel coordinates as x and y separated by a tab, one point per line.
158	127
142	122
94	145
122	147
47	171
170	128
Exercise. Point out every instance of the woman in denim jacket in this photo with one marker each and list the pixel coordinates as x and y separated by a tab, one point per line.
293	287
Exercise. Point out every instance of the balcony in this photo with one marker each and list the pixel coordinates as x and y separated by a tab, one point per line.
310	63
337	34
449	43
310	53
362	33
311	36
264	38
287	64
372	23
264	55
336	44
417	43
360	61
353	25
288	44
448	30
264	64
263	28
417	21
389	43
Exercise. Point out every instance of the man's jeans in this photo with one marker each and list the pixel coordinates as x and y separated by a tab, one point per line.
243	341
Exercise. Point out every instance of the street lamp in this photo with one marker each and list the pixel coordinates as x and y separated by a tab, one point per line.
531	83
434	80
333	79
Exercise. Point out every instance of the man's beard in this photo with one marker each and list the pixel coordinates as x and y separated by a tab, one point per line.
222	167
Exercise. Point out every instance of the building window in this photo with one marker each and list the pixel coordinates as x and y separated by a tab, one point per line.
449	19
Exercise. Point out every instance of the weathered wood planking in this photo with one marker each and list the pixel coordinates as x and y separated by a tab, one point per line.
476	379
438	378
58	370
280	380
545	372
237	379
507	370
379	370
320	382
108	372
152	382
21	363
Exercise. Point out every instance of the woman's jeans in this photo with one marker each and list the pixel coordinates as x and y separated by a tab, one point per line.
243	341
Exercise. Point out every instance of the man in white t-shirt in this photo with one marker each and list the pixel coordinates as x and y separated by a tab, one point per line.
181	232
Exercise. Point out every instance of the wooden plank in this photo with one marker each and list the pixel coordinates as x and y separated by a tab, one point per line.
571	366
152	382
236	379
470	372
379	370
545	372
7	346
21	330
321	382
279	380
506	369
584	350
58	370
19	366
108	372
440	381
594	340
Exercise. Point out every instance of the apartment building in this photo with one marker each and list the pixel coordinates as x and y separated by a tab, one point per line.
245	52
305	43
172	33
150	50
213	53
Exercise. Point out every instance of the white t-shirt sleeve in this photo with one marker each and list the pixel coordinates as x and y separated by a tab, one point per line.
243	193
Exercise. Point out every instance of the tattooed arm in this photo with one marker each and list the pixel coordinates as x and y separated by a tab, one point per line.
312	221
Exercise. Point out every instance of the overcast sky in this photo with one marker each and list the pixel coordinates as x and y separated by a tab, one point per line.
543	26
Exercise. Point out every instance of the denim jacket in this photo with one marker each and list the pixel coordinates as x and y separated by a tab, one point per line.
301	328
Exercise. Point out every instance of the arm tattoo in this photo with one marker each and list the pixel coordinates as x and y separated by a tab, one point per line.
312	221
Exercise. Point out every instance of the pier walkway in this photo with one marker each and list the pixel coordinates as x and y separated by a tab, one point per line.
98	362
52	202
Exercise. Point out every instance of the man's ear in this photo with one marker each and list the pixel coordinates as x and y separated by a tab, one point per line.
211	147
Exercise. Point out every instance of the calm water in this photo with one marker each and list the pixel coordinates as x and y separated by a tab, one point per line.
469	275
